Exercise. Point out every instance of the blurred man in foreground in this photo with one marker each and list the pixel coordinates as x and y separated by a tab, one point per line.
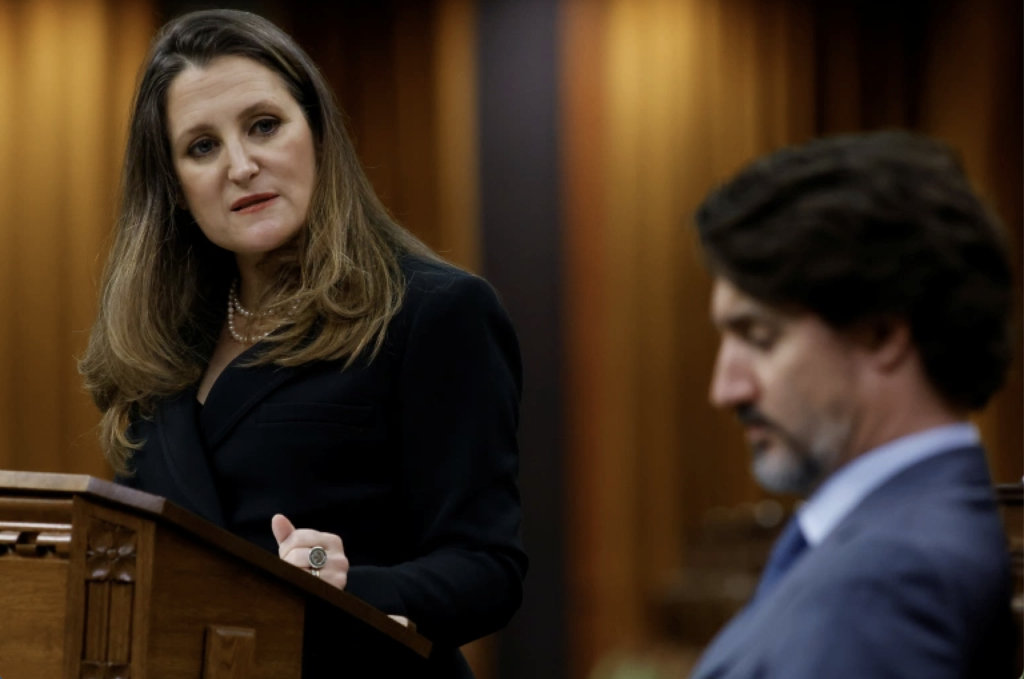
863	295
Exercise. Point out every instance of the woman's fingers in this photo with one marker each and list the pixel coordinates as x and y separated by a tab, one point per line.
294	547
306	538
336	560
281	527
334	571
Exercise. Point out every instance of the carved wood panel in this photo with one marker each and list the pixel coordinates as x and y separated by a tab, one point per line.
110	557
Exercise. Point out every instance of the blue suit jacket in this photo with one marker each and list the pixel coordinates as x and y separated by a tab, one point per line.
914	583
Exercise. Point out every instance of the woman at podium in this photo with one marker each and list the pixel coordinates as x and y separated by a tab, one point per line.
274	353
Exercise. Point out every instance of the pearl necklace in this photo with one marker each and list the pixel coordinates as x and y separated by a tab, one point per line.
235	305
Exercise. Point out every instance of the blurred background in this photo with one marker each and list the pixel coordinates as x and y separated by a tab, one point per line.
557	147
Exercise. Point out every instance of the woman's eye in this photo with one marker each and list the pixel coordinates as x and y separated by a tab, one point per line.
200	148
265	126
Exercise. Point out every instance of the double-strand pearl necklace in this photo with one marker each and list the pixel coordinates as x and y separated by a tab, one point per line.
235	305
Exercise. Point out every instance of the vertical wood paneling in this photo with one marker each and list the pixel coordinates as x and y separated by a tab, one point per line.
657	358
589	547
9	82
708	445
404	74
42	173
415	123
977	47
615	566
840	107
456	131
66	72
90	198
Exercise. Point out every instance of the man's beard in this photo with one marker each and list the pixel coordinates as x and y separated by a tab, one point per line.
798	467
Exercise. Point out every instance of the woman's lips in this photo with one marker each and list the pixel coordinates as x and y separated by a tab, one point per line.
251	204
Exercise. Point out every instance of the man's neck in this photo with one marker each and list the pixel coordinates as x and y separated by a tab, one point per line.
892	418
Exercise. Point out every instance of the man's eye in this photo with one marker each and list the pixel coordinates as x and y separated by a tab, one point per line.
762	338
200	148
265	126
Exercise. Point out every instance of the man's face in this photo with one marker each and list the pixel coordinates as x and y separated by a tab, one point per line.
793	382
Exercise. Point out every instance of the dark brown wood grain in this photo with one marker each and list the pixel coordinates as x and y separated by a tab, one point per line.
141	589
229	652
32	623
60	486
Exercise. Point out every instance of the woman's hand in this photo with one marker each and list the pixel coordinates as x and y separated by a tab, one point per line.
294	546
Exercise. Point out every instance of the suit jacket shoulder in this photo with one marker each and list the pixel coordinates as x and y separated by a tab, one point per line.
914	583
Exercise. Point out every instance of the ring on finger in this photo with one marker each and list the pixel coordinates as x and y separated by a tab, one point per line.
317	559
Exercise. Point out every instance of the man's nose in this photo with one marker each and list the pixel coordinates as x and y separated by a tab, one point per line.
732	382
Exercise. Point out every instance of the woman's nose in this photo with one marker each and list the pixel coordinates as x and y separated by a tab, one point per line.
242	167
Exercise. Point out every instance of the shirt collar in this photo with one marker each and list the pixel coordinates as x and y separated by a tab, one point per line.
853	482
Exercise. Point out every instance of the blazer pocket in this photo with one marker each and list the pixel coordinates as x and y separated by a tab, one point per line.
359	417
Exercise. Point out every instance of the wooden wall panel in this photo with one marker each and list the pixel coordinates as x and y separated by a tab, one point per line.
404	74
42	176
89	203
456	131
972	99
593	535
63	108
8	84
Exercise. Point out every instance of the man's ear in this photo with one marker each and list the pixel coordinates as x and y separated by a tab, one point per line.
887	341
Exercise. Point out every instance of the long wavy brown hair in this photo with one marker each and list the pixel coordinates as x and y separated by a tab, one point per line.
164	288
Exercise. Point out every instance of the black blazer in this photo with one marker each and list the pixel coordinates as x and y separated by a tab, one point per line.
411	458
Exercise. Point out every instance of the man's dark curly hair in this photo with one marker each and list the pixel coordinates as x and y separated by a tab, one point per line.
863	229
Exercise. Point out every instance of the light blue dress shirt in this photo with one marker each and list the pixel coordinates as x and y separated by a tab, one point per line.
853	482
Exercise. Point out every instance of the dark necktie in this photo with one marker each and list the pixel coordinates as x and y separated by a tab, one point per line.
787	549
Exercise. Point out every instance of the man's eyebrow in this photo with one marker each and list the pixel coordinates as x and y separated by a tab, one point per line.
246	112
743	319
735	319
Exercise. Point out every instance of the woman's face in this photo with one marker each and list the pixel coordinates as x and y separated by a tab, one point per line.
244	155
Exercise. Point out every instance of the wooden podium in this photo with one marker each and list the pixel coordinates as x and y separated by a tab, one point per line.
99	581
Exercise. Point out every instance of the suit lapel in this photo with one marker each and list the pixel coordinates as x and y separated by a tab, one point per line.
185	456
236	392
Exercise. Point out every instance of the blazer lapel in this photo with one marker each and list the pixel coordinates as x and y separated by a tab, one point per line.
185	456
236	392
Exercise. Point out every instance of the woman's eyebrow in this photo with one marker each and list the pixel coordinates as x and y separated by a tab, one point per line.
246	112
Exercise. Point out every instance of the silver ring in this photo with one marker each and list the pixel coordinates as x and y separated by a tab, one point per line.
317	558
315	572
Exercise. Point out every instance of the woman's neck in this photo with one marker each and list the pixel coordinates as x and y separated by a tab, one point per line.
252	280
